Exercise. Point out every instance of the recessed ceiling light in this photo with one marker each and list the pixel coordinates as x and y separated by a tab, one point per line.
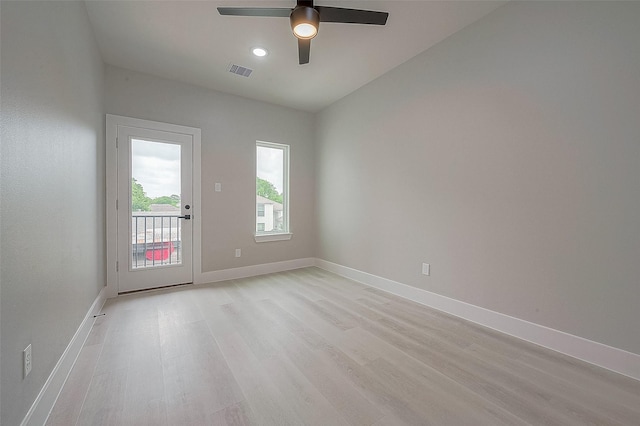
259	51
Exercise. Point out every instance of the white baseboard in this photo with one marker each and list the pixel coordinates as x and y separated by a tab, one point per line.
46	399
253	270
608	357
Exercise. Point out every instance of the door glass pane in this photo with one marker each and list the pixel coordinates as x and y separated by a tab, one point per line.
155	204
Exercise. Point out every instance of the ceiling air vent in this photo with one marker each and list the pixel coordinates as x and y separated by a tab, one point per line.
240	70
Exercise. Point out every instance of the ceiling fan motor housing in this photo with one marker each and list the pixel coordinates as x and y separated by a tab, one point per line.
305	15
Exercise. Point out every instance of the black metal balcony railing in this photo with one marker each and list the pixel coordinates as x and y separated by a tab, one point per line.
156	241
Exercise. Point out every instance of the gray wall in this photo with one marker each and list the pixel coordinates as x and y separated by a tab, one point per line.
230	127
52	189
507	157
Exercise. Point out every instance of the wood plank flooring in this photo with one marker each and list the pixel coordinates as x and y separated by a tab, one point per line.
308	347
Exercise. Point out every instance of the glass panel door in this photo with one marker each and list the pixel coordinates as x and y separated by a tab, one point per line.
154	212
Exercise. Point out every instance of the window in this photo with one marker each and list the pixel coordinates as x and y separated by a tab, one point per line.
272	191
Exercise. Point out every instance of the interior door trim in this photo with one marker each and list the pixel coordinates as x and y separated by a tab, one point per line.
111	160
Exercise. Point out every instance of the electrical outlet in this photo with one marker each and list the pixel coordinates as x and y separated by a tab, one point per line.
218	187
426	269
26	357
238	252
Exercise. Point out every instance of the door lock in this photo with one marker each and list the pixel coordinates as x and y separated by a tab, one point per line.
185	217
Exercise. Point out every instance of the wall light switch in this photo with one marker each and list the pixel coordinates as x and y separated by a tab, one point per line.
218	187
238	252
426	269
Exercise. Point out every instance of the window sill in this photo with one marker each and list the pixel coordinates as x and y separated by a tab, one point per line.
264	238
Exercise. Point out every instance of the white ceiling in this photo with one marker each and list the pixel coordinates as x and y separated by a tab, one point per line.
189	41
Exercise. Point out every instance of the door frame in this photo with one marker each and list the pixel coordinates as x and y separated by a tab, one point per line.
112	124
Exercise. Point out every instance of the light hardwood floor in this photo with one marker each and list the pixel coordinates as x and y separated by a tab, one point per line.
310	347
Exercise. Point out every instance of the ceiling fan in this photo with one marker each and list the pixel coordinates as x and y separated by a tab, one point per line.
305	19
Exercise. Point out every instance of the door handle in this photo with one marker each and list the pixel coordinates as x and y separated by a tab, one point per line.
185	217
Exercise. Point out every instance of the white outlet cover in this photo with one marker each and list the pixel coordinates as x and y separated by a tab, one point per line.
238	252
26	356
218	187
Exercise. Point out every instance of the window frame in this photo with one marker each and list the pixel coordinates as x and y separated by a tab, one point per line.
285	233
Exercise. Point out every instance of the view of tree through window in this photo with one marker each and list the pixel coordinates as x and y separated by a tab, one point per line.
140	202
268	190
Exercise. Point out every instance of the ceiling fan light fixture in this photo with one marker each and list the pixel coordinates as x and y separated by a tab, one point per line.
305	22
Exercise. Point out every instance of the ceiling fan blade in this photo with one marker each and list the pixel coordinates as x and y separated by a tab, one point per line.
351	16
304	48
277	12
